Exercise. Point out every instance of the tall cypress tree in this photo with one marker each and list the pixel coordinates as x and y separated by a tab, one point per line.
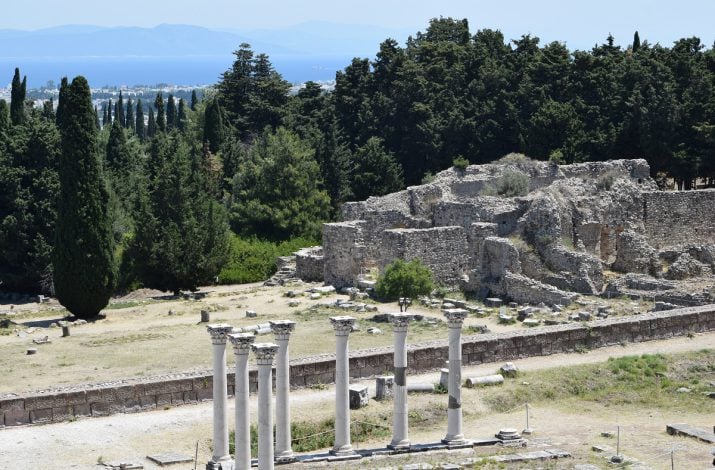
214	126
119	114
151	125
60	103
139	127
170	112
4	115
17	99
129	115
83	258
636	42
109	112
181	118
194	100
96	119
160	113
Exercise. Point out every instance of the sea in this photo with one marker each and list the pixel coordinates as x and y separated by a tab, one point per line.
135	71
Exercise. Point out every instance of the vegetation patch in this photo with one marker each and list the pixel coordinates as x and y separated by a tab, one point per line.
512	183
126	339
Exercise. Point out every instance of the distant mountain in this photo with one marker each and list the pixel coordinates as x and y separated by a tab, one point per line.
306	39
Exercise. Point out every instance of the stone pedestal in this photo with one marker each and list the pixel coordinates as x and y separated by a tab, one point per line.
400	439
455	319
282	330
265	352
241	347
221	458
343	326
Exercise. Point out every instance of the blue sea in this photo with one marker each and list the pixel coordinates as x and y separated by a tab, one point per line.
130	71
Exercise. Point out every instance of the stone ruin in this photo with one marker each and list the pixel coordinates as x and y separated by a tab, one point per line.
588	228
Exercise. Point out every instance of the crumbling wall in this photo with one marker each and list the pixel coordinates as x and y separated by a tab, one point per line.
310	264
679	217
441	249
344	253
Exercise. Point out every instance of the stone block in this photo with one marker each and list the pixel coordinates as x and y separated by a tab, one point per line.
18	404
148	402
177	398
358	397
41	416
163	400
204	394
17	417
81	409
383	387
99	408
62	413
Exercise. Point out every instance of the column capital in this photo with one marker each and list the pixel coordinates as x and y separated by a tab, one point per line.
241	342
219	332
265	352
455	317
282	328
342	325
400	321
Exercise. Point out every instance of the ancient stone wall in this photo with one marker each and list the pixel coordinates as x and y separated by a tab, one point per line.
310	264
441	249
139	395
346	254
679	217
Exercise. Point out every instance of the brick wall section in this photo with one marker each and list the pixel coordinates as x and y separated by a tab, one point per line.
178	389
679	217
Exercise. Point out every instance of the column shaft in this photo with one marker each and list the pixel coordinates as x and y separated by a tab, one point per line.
342	396
283	434
400	439
454	407
221	458
265	418
243	427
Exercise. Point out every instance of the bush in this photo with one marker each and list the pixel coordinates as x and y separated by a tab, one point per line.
460	163
253	260
511	184
402	279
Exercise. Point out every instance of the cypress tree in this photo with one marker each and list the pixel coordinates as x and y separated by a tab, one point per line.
61	100
17	99
194	100
83	257
96	119
119	113
170	112
4	115
109	112
214	127
151	125
105	119
139	128
181	118
116	146
636	42
129	115
160	113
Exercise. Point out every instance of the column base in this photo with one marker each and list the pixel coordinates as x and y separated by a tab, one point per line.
457	442
401	446
285	457
343	451
228	464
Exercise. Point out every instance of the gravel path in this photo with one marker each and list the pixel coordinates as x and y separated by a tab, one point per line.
130	437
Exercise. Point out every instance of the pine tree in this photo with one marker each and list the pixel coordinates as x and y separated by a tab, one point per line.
4	115
84	268
160	113
194	100
181	118
17	99
151	125
214	126
139	128
170	112
119	110
129	115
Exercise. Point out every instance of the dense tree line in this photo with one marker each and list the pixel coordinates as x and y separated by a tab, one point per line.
170	176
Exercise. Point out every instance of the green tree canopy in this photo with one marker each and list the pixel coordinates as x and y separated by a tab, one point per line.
404	279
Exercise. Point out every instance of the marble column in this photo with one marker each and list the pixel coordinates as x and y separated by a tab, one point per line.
342	326
400	439
282	330
221	459
265	352
455	319
241	347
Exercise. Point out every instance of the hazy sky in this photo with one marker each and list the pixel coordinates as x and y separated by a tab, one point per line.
580	24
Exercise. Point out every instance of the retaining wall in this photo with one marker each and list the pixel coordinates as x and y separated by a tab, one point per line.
679	217
171	390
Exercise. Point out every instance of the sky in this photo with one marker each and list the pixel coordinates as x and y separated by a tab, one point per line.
579	24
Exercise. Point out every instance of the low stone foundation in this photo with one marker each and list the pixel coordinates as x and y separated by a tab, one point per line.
135	395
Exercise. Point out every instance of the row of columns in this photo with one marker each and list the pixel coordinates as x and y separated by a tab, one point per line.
265	354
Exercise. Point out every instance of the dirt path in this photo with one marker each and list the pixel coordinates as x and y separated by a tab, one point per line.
130	437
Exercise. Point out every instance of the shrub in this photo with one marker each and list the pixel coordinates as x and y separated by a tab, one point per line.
511	184
460	163
402	279
606	180
253	260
